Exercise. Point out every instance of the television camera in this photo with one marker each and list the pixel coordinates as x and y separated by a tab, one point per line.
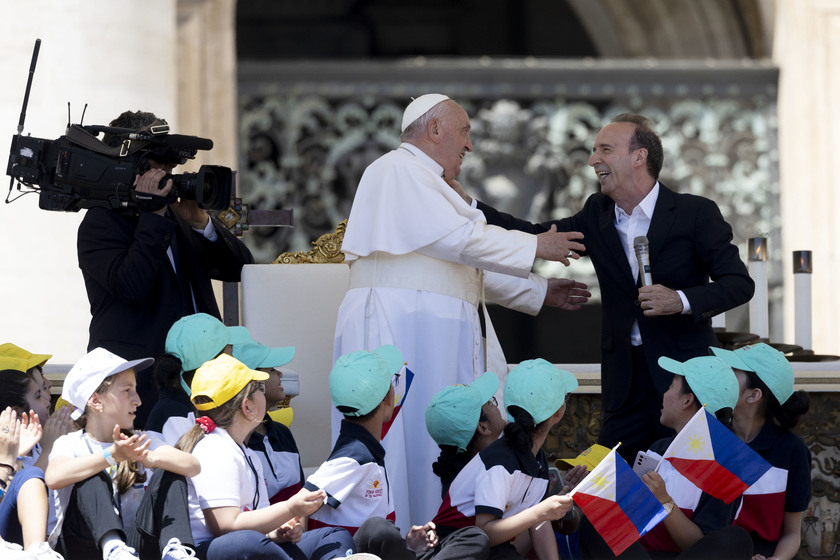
78	170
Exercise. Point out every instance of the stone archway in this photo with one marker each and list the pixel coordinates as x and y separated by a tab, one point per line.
677	28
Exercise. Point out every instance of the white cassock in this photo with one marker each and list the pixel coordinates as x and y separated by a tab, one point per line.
416	252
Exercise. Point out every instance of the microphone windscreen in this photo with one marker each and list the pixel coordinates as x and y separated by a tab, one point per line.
640	241
183	142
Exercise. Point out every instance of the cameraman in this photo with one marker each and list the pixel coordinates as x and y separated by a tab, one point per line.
146	267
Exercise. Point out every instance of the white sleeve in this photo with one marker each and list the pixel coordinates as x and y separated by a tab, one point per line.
218	484
486	247
66	446
155	439
521	294
176	426
208	231
491	491
338	478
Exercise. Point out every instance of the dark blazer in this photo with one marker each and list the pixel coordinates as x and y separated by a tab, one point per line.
134	294
690	243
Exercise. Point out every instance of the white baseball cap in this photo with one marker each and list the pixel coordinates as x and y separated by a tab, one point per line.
89	373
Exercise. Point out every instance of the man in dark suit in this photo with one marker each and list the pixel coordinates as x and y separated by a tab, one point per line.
147	267
690	243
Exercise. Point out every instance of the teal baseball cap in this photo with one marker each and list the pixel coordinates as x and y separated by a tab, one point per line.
710	379
453	413
769	365
360	380
256	355
198	338
538	387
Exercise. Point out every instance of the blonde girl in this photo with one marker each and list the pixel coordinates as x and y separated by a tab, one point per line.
230	514
101	472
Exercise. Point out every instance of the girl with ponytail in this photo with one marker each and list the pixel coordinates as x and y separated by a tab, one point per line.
463	420
502	490
230	514
768	409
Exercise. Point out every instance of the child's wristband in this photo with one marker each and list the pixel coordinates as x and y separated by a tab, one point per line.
108	459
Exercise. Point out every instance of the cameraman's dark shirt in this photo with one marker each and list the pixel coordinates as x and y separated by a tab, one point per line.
133	291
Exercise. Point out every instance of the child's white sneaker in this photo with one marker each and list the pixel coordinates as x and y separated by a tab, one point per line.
13	551
174	550
121	551
42	551
363	556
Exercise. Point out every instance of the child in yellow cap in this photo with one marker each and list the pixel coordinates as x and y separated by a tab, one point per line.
27	513
230	515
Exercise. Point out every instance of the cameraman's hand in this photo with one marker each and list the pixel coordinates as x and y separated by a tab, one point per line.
190	212
148	183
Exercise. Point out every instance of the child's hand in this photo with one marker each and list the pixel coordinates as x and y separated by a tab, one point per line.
30	432
57	425
290	531
572	477
421	538
656	485
125	448
305	503
9	436
553	507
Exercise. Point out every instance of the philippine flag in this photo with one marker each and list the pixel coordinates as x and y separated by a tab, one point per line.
617	503
406	376
715	459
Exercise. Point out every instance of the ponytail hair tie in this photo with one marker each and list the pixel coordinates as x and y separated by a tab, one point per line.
206	423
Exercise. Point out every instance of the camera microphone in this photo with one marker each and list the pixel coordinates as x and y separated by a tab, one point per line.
183	142
642	247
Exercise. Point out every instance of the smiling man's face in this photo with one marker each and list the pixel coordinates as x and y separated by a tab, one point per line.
453	130
612	158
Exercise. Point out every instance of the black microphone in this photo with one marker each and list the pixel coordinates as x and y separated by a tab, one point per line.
183	142
642	247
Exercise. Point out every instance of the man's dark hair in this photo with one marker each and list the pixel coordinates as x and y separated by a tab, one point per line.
646	138
135	120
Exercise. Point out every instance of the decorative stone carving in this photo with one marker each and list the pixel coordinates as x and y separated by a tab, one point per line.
327	250
309	131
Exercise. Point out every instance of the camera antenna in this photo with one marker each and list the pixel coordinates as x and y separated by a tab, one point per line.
23	112
29	84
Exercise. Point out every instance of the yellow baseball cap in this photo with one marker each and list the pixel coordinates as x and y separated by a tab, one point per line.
16	358
220	380
589	458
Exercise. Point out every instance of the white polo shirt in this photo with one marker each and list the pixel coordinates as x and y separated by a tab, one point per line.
355	481
231	475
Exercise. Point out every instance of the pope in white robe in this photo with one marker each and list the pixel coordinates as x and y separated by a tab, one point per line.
420	259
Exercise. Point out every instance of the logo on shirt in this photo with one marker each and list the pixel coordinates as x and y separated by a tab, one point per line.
374	489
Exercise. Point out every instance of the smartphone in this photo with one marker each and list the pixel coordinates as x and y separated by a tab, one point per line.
645	461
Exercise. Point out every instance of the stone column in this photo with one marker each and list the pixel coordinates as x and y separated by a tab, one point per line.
206	63
807	48
112	56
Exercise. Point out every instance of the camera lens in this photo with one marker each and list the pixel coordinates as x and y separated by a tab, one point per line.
210	187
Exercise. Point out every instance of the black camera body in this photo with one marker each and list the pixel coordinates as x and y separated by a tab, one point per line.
79	171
